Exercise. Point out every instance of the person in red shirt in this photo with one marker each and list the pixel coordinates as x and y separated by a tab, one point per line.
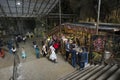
56	46
2	53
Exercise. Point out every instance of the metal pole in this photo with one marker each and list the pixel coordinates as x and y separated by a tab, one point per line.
61	47
60	14
98	17
60	10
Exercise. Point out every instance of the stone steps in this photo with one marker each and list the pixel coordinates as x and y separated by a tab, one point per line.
95	72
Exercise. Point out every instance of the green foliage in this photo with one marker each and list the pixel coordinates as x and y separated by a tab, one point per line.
96	56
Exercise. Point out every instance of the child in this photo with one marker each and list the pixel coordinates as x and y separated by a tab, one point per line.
34	44
23	53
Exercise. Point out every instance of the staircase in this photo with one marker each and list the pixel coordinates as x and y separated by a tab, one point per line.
95	72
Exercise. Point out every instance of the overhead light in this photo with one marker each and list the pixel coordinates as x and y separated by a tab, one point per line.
18	3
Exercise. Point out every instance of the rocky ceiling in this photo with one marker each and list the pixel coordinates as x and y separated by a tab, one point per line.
26	8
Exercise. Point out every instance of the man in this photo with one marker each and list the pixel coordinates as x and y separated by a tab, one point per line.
73	57
67	48
13	50
82	57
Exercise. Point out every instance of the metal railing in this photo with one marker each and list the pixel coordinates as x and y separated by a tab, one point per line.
15	67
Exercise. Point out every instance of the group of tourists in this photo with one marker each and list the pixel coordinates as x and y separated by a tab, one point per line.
13	45
54	46
45	49
49	48
79	54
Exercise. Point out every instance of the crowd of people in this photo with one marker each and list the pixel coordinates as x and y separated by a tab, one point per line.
79	54
76	54
12	44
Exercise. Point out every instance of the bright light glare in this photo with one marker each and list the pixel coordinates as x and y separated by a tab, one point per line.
18	3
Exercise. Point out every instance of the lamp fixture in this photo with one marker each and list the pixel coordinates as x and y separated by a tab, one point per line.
18	3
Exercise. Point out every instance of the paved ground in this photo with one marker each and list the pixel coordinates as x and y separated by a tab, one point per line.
8	59
32	68
39	69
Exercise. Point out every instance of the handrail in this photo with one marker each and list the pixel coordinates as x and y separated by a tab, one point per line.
15	67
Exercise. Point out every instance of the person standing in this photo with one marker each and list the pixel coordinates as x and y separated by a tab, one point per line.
67	49
73	57
24	39
34	44
44	50
37	51
2	53
56	46
13	50
53	56
82	56
9	45
23	53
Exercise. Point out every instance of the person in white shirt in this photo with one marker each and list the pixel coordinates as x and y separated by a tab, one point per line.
52	56
24	39
44	50
13	50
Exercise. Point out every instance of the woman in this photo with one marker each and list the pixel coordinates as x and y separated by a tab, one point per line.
56	46
44	50
53	56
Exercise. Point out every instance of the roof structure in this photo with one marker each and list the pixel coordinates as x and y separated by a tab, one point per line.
26	8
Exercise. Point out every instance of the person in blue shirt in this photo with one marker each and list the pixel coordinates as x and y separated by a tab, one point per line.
9	45
37	51
73	57
82	57
23	53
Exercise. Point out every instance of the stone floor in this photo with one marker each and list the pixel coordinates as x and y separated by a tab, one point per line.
32	68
